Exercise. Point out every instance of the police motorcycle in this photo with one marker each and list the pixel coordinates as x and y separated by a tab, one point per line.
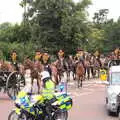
38	107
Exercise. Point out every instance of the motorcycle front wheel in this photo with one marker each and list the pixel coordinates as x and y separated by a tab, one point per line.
61	116
14	116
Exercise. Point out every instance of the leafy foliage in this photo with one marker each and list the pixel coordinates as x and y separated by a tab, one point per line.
59	24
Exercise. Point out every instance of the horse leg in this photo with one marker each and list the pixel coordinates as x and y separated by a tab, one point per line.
81	81
32	80
38	85
98	72
88	73
68	76
59	78
85	74
78	81
74	75
92	71
74	72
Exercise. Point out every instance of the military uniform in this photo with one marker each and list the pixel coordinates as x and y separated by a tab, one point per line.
79	57
46	62
38	56
14	60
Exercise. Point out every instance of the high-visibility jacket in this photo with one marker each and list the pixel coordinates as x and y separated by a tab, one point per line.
48	91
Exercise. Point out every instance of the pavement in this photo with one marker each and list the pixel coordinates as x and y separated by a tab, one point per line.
88	102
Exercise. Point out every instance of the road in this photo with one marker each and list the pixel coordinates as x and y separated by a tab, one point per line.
88	102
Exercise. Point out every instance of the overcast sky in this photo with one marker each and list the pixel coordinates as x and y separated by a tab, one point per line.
11	11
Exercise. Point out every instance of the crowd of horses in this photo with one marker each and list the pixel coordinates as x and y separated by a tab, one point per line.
80	70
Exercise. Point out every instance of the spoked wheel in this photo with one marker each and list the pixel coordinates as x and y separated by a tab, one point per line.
61	116
2	82
15	82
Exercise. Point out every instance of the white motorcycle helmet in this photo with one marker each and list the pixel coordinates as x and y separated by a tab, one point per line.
45	74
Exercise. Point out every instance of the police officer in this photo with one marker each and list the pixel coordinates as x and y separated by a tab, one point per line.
47	85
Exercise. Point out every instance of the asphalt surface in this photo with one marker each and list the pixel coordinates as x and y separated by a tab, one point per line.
88	102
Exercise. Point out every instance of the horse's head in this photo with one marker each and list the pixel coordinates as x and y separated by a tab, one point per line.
28	64
38	66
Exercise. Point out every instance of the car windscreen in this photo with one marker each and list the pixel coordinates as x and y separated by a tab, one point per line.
115	78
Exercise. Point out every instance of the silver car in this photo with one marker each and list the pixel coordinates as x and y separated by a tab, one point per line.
113	89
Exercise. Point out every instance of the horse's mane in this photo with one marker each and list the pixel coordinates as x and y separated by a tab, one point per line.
28	64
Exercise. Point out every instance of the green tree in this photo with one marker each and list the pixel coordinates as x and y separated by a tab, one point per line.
96	40
14	33
112	35
58	24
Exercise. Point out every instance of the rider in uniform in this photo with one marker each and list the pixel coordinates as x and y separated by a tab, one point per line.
46	62
38	55
62	64
79	57
14	60
97	55
62	60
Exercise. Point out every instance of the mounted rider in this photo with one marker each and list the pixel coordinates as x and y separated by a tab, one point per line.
38	55
14	60
97	56
62	61
62	64
79	57
45	60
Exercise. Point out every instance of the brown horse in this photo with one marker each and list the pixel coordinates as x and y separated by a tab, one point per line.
35	68
6	66
62	68
80	72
